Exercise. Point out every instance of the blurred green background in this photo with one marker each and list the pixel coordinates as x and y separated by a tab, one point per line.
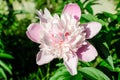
18	53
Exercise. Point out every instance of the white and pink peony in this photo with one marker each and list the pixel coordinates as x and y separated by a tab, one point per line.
64	37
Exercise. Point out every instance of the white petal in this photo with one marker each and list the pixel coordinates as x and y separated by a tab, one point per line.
71	64
33	32
87	53
73	10
92	29
43	58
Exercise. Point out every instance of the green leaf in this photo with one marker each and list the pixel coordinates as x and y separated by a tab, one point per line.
89	8
1	45
112	16
5	55
59	64
80	4
63	78
110	61
77	77
90	17
118	5
105	64
91	73
2	74
5	66
117	69
104	53
61	74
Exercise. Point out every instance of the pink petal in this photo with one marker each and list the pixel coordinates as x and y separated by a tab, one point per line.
92	29
87	53
71	64
73	9
42	58
33	32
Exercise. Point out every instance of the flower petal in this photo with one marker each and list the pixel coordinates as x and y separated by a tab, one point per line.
92	29
33	32
87	53
42	58
73	9
71	64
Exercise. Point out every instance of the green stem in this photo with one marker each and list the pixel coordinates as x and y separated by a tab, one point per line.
41	74
48	70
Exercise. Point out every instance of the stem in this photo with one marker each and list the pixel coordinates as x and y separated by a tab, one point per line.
47	75
41	74
98	60
48	70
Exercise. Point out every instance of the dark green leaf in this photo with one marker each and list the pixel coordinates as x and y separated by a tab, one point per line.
89	8
104	53
80	4
1	45
91	73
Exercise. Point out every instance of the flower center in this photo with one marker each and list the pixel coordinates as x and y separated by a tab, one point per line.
66	34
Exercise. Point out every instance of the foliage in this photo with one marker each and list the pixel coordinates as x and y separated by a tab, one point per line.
5	66
17	52
87	73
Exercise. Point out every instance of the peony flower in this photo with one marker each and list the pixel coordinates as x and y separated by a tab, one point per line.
63	37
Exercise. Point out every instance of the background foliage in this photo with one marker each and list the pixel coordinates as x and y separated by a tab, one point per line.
18	53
